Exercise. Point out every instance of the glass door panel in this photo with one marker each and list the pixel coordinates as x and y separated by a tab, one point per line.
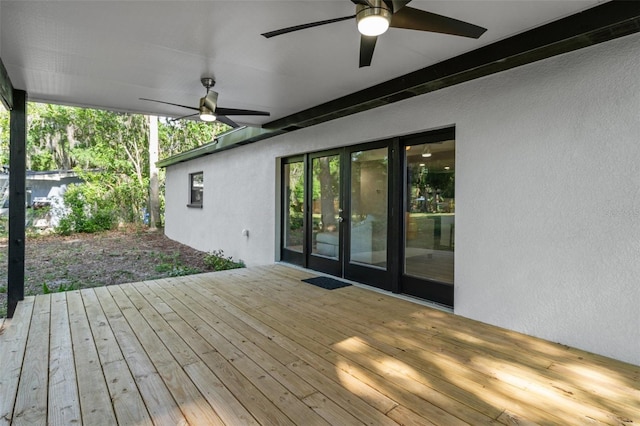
430	211
293	178
325	207
369	182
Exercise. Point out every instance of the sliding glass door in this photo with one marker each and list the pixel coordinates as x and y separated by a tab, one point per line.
380	213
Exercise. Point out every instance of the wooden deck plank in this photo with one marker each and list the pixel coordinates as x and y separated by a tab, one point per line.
217	379
374	398
161	406
95	403
31	400
556	400
249	336
257	346
275	366
125	397
14	343
194	406
264	342
313	327
555	405
402	415
560	396
430	400
64	402
327	364
558	393
291	406
330	411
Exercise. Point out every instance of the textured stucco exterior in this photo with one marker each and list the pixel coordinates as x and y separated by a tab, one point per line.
547	194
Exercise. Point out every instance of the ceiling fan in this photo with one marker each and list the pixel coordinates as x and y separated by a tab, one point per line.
374	17
209	109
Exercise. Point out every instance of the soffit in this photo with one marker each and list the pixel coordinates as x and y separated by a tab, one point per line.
107	54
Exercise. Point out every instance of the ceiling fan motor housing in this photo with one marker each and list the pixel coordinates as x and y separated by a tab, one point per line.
210	100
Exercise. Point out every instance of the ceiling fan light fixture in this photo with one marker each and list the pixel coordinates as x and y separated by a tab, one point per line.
206	114
373	21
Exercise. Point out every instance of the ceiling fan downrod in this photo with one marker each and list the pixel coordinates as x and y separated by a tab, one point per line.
208	82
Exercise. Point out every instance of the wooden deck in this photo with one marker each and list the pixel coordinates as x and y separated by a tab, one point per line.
258	346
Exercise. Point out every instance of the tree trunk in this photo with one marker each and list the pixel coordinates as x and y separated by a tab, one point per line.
154	185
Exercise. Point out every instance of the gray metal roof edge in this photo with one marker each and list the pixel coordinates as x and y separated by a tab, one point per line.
231	139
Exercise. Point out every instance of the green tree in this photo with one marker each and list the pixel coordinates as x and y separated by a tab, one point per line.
109	150
184	135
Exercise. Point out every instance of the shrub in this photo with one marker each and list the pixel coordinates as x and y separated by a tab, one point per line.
87	209
172	267
61	288
217	261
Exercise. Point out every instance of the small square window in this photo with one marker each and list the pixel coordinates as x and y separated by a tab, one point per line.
196	185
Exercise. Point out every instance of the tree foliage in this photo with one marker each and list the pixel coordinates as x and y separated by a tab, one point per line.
109	150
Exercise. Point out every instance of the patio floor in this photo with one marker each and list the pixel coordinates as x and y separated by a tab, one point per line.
258	346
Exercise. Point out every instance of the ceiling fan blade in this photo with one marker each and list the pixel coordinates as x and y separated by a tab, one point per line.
305	26
367	46
396	5
169	103
362	2
184	116
227	121
416	19
233	111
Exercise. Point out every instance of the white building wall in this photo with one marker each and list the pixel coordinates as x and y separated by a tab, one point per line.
547	194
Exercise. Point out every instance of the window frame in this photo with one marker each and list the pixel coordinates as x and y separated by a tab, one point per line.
194	203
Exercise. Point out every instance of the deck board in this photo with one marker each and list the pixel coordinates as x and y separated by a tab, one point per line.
258	346
95	402
192	403
160	404
127	402
31	400
64	402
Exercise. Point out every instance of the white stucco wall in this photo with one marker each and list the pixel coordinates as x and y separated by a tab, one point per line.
547	194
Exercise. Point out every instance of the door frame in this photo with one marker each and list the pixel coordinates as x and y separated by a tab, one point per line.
317	262
432	290
383	278
393	278
286	255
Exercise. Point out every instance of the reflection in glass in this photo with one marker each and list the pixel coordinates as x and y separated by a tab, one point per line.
430	211
325	206
369	201
293	206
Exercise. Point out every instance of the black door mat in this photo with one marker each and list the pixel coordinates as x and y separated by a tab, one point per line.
326	282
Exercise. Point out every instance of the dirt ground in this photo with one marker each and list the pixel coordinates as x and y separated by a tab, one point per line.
54	262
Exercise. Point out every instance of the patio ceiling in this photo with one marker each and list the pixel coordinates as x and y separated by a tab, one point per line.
108	54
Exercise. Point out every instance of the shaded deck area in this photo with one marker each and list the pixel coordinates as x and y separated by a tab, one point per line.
258	346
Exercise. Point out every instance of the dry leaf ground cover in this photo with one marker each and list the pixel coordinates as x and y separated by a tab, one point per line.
58	263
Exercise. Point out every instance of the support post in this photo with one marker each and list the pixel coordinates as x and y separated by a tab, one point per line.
17	208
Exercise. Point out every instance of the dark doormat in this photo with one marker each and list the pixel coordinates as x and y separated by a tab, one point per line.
326	282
